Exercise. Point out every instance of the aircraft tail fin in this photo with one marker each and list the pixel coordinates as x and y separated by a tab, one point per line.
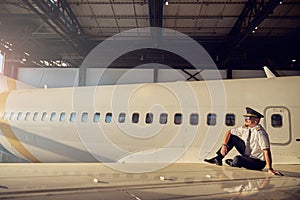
268	72
9	84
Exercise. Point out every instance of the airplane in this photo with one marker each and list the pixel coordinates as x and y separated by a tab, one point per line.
156	136
175	122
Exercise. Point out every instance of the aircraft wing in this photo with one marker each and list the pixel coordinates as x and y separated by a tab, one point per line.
176	181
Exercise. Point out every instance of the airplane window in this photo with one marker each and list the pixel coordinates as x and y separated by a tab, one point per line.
276	120
163	119
135	118
149	118
19	117
108	117
194	118
96	117
12	116
211	119
27	115
44	115
53	116
72	116
84	117
122	117
35	116
178	118
5	116
230	119
62	117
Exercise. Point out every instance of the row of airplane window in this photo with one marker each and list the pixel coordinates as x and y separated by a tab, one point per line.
135	117
211	118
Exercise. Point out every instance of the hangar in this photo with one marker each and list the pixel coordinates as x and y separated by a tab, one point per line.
46	43
50	38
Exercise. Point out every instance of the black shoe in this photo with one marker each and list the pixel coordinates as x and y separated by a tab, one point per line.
229	162
214	160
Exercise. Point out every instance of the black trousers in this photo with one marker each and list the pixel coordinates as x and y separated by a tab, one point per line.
242	160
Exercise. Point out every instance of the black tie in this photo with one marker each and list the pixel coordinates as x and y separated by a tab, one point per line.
247	149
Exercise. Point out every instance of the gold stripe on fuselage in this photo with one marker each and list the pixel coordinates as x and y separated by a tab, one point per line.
5	127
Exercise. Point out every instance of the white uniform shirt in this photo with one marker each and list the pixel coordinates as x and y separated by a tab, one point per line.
258	142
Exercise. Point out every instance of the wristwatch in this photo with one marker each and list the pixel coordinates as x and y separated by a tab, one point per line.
225	145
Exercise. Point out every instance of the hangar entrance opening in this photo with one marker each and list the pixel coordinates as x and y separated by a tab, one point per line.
1	62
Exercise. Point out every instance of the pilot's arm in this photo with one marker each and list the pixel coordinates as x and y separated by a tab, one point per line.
268	157
224	146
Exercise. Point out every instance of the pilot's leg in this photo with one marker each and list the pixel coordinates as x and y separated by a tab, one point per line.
234	141
248	163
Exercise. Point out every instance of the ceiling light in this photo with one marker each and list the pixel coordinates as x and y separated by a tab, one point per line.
280	2
294	60
166	3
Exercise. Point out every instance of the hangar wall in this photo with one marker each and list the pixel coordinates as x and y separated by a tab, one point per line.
51	77
68	77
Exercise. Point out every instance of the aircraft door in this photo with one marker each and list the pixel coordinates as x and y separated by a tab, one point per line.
277	124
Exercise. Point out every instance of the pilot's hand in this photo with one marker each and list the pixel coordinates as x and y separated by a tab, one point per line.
224	150
272	172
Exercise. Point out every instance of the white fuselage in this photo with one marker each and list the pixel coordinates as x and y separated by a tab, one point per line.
162	122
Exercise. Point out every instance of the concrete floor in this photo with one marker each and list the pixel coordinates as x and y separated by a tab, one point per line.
177	181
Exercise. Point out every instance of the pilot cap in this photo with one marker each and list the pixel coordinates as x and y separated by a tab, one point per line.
252	113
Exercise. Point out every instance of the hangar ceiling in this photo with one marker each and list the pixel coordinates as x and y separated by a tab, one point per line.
238	34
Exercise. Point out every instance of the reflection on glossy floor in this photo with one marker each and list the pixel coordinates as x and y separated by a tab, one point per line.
177	181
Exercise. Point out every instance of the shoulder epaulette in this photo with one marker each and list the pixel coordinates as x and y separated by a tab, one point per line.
258	128
244	126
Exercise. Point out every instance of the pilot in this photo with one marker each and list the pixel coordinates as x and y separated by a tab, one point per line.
251	141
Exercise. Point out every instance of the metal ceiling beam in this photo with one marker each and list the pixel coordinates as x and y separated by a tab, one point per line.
261	11
155	13
187	2
252	15
61	19
117	2
292	17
